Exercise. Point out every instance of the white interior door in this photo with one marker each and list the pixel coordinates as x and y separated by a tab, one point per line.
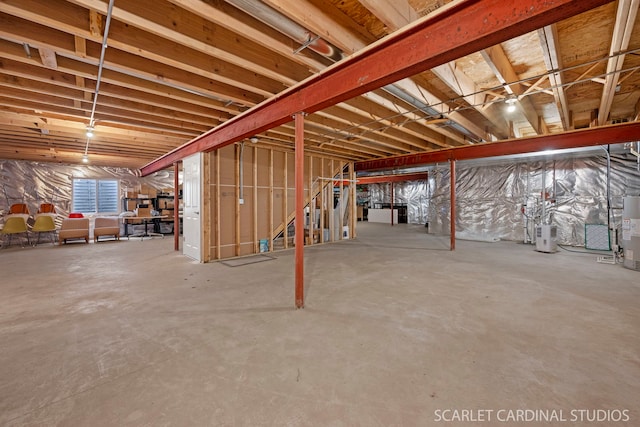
191	201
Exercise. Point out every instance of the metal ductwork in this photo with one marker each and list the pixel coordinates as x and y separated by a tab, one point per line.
307	39
412	100
284	25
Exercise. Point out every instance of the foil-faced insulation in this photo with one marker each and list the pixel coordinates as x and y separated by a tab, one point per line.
34	183
503	200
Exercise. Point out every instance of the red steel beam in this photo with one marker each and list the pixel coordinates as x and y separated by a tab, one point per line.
299	218
614	134
379	179
461	29
391	178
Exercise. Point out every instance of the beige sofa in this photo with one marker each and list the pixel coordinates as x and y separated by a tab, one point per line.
106	227
74	228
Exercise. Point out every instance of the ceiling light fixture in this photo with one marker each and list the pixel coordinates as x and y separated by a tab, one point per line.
511	104
85	158
254	139
89	131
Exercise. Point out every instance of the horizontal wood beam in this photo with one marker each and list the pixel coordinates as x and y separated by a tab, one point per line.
460	30
614	134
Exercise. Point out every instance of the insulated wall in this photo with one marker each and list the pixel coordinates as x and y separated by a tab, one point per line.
412	193
490	197
38	182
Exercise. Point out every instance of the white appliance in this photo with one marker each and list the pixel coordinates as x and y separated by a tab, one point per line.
546	238
631	232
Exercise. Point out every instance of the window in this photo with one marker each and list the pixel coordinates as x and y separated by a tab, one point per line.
95	195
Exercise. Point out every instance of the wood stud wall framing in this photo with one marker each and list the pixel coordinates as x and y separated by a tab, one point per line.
235	229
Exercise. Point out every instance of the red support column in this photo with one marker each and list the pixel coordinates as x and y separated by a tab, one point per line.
299	218
452	172
176	206
392	204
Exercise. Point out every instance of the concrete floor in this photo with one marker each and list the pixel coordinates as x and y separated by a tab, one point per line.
396	329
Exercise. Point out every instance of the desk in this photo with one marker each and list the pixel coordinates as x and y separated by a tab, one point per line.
146	220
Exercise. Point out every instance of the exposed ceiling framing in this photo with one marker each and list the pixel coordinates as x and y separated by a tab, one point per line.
176	69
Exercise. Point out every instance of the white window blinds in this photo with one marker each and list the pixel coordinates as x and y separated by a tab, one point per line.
95	196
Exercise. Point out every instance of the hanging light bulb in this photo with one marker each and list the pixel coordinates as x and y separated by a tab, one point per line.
85	158
89	131
511	104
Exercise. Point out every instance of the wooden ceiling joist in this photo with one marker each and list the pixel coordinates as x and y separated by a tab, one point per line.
625	21
176	68
503	69
372	68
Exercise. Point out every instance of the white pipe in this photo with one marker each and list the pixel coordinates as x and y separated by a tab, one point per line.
543	218
606	151
100	66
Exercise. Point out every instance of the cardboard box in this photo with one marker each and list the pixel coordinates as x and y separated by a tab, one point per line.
131	205
131	194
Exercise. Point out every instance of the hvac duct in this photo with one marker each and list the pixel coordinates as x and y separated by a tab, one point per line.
412	100
291	29
278	22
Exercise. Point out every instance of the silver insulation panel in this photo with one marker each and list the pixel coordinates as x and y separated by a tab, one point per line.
490	197
36	183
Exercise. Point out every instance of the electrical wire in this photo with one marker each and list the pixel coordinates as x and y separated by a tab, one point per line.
337	134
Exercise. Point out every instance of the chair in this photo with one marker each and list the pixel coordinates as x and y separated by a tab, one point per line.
46	208
74	228
19	208
44	224
15	225
106	227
